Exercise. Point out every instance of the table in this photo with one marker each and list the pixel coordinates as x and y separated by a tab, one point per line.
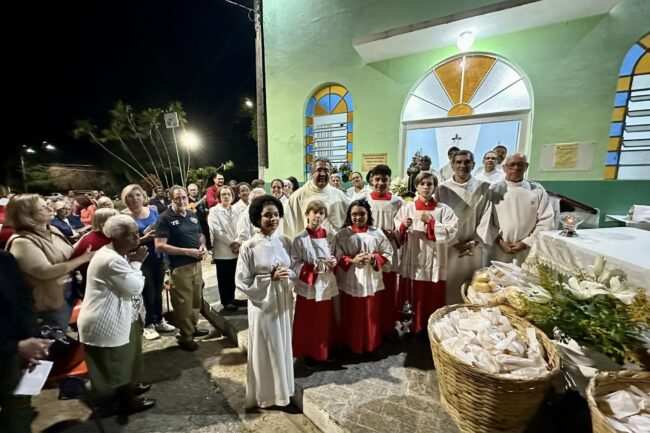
626	248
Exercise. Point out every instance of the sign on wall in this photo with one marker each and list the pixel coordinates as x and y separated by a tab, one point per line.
371	160
567	156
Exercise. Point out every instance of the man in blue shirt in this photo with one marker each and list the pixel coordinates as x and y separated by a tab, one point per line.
178	234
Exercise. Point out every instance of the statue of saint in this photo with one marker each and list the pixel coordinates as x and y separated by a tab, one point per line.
413	171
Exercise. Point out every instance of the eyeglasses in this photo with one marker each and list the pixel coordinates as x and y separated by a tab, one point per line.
517	164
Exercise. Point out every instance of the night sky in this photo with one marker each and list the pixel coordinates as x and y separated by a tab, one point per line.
73	60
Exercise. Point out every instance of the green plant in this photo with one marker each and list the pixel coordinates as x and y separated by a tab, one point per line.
593	312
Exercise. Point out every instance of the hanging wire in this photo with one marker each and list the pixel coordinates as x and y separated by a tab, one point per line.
240	5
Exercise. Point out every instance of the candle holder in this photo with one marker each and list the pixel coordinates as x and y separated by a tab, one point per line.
570	222
321	265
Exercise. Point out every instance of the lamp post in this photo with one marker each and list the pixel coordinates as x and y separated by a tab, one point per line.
28	150
191	141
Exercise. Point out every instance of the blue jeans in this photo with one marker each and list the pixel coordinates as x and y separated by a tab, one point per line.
153	269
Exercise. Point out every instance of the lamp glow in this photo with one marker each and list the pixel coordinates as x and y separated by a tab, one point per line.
190	139
465	41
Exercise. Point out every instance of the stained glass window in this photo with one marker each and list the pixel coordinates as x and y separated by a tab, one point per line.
329	126
473	101
467	85
628	150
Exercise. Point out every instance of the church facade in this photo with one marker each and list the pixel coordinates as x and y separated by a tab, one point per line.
567	83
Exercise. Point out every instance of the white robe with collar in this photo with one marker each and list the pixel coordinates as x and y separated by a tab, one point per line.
471	205
270	379
519	211
294	210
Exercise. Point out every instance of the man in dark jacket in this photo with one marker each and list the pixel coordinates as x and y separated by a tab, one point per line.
19	348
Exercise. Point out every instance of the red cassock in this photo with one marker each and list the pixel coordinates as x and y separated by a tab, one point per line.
361	316
424	296
314	325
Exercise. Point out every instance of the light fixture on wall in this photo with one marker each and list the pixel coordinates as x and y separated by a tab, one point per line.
465	41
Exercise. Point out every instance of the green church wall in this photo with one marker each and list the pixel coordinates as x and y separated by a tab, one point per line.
571	67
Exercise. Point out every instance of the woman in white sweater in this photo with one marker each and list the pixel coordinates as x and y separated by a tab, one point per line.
105	320
222	220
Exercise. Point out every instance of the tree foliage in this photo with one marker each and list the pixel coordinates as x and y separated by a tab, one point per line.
140	142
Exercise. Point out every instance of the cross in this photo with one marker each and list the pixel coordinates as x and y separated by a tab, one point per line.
456	139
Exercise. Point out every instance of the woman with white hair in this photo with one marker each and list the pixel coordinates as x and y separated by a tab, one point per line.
67	223
105	323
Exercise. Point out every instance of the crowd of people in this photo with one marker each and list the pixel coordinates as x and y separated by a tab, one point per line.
320	267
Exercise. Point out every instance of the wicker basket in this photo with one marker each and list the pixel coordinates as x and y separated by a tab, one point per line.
607	382
479	401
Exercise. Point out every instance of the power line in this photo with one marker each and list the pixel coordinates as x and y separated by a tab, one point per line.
240	5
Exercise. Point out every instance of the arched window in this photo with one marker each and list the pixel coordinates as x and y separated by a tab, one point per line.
329	126
628	150
474	101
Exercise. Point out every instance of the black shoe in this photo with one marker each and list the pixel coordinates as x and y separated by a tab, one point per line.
241	302
200	333
140	388
188	345
230	306
140	404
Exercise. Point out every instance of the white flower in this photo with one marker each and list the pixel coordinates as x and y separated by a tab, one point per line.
620	290
599	265
585	289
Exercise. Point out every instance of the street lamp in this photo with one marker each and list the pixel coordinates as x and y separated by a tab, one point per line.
28	150
191	141
248	103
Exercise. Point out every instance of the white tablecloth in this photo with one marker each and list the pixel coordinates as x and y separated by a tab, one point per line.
626	248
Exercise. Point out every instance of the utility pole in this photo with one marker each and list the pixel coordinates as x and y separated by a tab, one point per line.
260	81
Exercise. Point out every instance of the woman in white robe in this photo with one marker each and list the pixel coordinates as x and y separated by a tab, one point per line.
264	276
425	228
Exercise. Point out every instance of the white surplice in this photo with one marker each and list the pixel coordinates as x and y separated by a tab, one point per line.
470	202
383	214
306	249
270	379
245	229
423	259
294	210
352	193
519	211
446	172
365	280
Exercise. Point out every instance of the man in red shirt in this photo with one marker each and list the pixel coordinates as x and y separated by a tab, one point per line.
212	193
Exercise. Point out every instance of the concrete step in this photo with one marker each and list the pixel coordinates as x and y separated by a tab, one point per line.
233	324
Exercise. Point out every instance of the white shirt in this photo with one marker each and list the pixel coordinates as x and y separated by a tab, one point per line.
353	194
494	176
223	226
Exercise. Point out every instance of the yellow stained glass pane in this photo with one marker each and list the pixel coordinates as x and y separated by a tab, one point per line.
623	84
319	110
350	116
310	121
610	172
460	110
322	92
643	67
450	75
338	90
619	114
645	41
614	143
341	107
476	68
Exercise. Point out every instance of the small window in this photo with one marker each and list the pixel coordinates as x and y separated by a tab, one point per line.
329	127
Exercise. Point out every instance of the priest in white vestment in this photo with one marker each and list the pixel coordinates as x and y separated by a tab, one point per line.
317	188
520	209
264	276
469	199
489	172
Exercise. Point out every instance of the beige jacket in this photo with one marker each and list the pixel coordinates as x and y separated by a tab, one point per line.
42	262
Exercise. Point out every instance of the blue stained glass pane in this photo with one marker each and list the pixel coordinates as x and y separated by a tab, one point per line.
616	130
349	147
611	158
351	165
308	168
621	99
310	149
309	130
350	129
329	101
310	107
632	56
348	100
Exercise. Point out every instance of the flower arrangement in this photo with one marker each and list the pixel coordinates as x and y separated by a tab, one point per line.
399	186
598	310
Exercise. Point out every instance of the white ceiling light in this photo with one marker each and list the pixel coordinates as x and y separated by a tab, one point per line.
465	41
